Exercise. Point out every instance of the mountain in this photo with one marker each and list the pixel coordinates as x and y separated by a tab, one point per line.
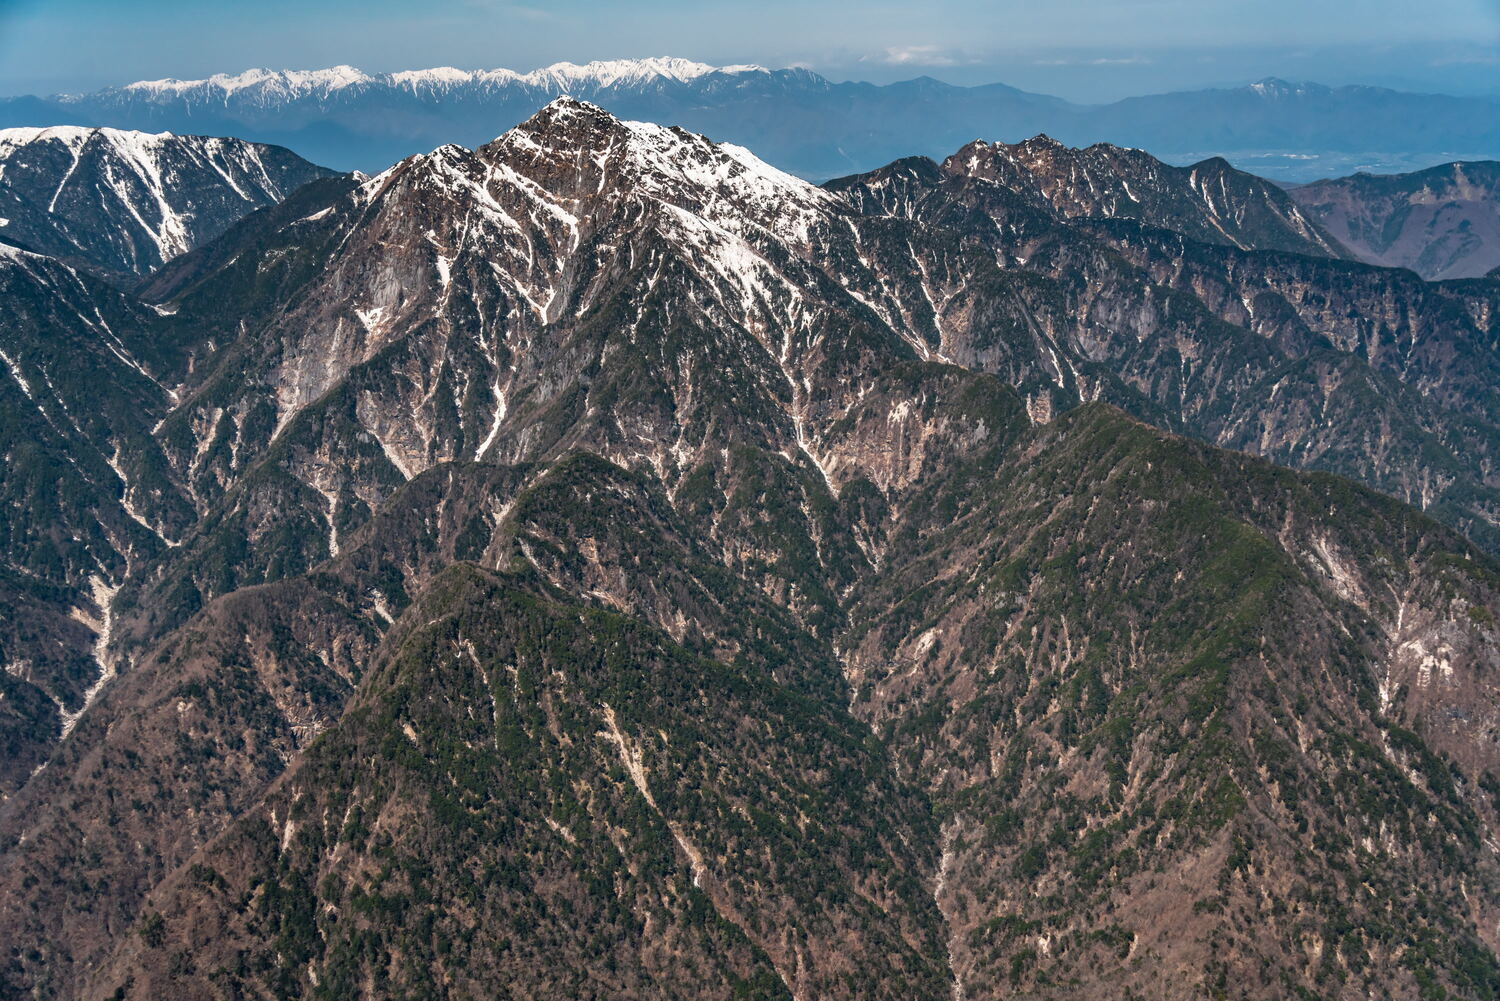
1208	201
1283	116
88	374
1443	222
795	118
87	492
1312	361
122	203
618	568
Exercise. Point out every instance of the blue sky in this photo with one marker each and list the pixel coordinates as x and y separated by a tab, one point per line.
1082	49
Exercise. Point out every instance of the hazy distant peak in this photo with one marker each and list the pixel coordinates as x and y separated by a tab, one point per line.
291	81
296	83
1273	87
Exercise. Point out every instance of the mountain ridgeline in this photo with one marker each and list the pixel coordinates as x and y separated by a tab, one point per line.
598	564
794	118
1443	222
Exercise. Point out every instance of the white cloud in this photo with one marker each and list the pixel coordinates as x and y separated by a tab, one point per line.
919	55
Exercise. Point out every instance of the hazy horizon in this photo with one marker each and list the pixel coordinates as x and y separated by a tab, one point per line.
1090	52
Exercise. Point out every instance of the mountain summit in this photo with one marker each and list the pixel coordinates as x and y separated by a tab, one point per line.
1209	201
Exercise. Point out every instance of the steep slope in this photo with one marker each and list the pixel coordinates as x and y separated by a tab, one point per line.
1137	674
221	708
468	305
482	252
90	374
1161	720
615	821
121	203
1208	201
1317	363
281	502
1443	222
87	493
1058	315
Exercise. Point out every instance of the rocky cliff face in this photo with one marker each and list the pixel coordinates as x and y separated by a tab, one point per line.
609	564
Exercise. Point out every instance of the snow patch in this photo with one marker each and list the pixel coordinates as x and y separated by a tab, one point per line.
15	371
125	502
103	627
495	427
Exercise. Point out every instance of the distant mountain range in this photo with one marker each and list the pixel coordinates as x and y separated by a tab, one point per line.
796	119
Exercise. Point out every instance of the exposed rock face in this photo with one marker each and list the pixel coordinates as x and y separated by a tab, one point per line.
1443	222
123	203
611	567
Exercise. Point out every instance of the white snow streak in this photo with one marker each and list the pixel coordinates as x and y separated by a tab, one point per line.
495	427
104	597
15	371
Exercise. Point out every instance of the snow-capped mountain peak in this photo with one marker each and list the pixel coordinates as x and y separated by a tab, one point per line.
538	223
71	136
122	202
574	145
288	85
651	144
616	72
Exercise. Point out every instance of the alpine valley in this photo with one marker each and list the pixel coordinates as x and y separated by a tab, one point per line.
599	564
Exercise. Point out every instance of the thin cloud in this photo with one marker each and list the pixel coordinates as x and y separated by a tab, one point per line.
919	55
518	11
1097	61
1476	59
